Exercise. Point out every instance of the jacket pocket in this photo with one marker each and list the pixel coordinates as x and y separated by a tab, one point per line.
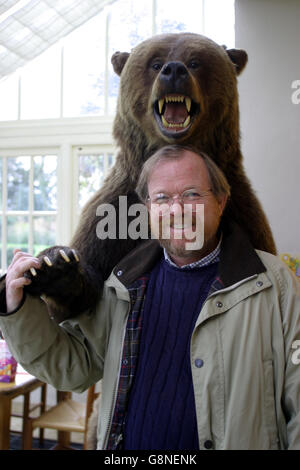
269	405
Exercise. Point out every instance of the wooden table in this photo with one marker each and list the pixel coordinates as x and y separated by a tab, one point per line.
23	385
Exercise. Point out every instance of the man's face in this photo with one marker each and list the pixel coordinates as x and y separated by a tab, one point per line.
172	178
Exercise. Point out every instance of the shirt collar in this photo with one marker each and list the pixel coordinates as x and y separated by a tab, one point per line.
212	257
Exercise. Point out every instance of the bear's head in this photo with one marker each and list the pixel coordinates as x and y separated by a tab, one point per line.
177	88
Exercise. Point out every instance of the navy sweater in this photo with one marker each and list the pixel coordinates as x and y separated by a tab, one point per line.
161	411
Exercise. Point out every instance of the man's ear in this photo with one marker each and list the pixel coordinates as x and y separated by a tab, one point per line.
239	57
118	61
222	203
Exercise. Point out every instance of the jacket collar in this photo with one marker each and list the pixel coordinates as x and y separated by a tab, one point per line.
238	259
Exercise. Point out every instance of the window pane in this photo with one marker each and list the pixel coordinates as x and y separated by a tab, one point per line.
219	21
1	187
45	183
110	160
130	23
91	175
18	183
172	18
84	69
9	98
17	234
113	89
40	86
44	232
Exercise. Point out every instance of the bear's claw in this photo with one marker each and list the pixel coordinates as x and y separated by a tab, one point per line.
60	272
47	261
70	286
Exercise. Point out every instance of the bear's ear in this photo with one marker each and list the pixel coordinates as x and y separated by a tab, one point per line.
239	57
118	61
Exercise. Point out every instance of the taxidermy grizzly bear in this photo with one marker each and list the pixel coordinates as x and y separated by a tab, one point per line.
174	88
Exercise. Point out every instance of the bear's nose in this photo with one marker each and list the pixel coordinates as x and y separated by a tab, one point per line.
173	71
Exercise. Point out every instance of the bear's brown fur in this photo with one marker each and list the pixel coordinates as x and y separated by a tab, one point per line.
164	66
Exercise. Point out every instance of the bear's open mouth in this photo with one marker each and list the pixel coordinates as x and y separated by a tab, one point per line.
175	112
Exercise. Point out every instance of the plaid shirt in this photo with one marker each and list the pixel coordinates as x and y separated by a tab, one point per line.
131	350
212	257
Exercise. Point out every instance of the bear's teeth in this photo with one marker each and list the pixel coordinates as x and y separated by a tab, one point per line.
169	124
160	105
174	99
188	103
165	123
187	121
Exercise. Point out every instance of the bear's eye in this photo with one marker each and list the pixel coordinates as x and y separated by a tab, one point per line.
157	66
193	64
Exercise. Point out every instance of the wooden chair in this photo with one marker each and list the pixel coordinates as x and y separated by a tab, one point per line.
25	390
66	417
27	409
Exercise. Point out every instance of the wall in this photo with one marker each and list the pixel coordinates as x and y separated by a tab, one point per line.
269	30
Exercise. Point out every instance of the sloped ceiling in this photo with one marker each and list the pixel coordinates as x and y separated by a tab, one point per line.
29	27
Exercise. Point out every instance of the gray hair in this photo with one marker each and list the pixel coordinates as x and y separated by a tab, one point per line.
218	181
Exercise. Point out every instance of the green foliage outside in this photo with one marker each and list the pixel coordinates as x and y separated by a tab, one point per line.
44	183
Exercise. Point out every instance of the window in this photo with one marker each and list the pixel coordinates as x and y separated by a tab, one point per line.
75	77
28	203
35	184
56	116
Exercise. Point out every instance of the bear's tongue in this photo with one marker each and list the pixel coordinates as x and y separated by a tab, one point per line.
175	113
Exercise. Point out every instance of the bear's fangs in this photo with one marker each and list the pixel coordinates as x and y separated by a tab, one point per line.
170	99
170	117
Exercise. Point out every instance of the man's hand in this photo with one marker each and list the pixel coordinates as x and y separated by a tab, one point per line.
56	274
15	280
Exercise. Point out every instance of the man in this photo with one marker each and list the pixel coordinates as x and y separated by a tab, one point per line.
196	347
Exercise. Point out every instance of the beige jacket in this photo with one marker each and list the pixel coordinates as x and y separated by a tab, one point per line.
247	391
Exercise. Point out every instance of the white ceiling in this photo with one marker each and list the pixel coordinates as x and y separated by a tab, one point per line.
29	27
